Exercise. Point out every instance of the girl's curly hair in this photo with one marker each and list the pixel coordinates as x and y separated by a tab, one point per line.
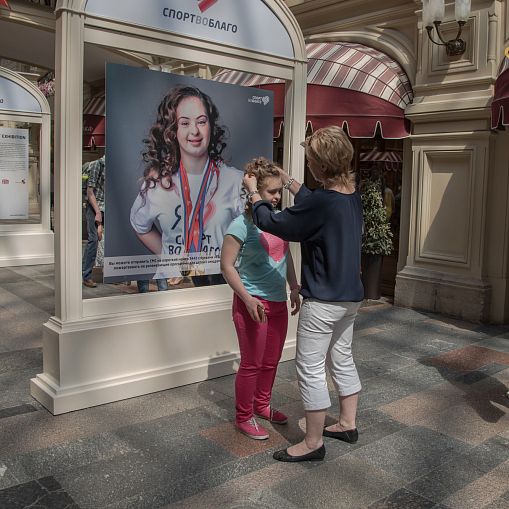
162	154
262	169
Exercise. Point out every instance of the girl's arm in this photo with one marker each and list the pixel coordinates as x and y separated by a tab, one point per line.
152	240
291	277
229	253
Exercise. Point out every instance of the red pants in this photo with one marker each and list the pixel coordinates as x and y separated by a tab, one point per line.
261	345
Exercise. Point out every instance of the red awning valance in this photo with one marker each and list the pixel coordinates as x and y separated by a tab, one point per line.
500	104
362	113
348	84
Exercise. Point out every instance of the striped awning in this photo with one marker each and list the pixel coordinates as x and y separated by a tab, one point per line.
392	159
347	83
95	105
500	104
94	124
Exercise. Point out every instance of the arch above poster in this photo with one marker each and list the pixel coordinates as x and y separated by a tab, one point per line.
248	24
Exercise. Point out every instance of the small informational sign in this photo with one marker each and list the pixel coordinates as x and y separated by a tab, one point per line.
13	173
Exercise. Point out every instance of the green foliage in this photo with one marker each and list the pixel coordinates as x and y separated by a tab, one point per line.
377	229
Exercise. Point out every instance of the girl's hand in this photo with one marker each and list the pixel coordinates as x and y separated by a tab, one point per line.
295	300
252	304
250	182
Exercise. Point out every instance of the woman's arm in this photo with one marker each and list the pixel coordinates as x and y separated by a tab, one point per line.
229	253
291	277
152	240
294	186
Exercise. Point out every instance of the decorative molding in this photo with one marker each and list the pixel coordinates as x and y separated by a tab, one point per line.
427	230
314	9
441	63
492	37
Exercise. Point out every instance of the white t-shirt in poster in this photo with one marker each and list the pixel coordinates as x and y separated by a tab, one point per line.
222	205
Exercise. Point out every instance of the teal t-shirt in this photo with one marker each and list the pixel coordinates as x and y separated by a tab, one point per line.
262	260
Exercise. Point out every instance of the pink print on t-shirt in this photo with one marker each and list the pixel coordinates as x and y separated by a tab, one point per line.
275	247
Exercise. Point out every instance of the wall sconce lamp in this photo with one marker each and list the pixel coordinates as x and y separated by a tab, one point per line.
433	12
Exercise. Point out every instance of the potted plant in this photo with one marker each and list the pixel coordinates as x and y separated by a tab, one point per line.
377	240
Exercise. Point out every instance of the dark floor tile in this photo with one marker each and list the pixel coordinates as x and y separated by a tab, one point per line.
161	432
346	482
286	370
385	364
408	340
402	499
16	410
21	434
263	499
106	482
391	317
368	418
34	293
411	453
462	470
381	390
20	360
16	389
492	329
8	276
41	494
172	492
481	373
67	456
7	479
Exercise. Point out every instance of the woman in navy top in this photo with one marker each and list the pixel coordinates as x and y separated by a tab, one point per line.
328	224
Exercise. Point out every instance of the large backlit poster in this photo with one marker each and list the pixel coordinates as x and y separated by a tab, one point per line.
176	148
13	173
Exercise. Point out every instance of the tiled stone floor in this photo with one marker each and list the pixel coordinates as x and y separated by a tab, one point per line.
433	421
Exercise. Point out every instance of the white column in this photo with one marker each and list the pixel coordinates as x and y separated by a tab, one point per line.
68	147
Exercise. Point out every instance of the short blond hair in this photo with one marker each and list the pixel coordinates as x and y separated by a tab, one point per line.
331	147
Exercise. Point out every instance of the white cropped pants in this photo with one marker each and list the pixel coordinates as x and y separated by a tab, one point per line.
324	336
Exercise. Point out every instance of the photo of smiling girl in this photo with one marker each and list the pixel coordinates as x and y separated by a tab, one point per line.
189	195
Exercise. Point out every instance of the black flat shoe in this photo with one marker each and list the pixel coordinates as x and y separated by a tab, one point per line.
317	455
351	436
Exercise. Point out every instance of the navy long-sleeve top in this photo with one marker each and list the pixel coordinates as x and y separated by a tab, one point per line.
328	224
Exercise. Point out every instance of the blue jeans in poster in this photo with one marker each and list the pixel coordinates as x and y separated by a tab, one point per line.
91	246
162	285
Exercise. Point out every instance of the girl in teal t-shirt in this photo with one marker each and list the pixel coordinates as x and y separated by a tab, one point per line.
260	311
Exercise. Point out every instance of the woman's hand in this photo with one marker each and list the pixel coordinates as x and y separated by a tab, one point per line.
295	301
250	182
252	304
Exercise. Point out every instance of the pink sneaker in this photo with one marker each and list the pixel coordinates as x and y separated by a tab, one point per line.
252	430
272	415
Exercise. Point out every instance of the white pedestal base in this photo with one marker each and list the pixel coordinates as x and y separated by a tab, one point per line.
26	248
95	361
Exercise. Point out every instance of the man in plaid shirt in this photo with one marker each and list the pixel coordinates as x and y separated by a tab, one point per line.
95	217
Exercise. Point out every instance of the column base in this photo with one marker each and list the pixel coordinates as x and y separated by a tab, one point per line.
456	296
